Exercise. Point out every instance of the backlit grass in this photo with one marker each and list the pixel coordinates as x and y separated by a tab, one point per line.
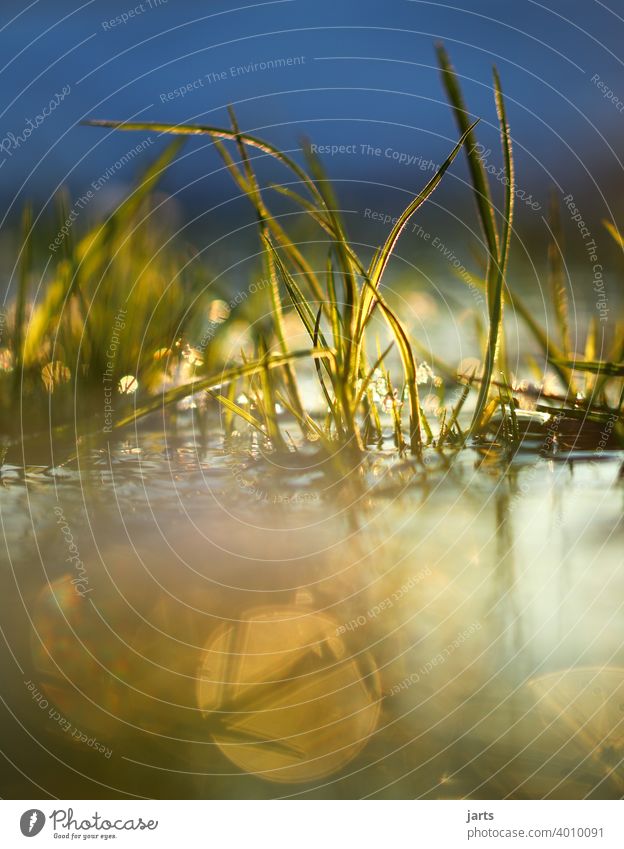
59	338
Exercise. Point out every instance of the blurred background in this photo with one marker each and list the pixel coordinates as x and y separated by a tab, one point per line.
358	74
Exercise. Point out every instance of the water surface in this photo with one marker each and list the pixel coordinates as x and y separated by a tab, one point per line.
180	621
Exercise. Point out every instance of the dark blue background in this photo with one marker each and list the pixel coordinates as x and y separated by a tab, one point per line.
564	131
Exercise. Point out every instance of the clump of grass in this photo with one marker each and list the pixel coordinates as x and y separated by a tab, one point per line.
110	310
587	408
335	309
71	324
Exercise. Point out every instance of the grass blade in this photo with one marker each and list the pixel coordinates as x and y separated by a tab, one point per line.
380	260
475	164
216	381
597	367
382	256
409	368
557	285
233	407
366	380
551	352
215	133
496	294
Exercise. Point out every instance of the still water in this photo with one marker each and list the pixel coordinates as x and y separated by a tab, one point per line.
182	622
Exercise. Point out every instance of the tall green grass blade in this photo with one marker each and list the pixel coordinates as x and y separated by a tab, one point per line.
146	182
268	398
278	319
348	263
453	421
296	295
381	258
551	352
557	284
324	187
332	406
215	133
476	167
306	205
254	188
305	421
250	187
497	293
311	324
324	221
395	413
334	311
267	221
93	250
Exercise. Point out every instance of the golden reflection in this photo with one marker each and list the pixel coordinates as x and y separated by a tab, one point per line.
54	374
584	707
284	698
81	669
128	384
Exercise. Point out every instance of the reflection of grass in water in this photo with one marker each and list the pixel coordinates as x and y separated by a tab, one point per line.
283	697
278	691
61	346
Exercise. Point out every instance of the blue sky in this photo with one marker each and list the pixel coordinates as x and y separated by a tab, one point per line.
342	73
